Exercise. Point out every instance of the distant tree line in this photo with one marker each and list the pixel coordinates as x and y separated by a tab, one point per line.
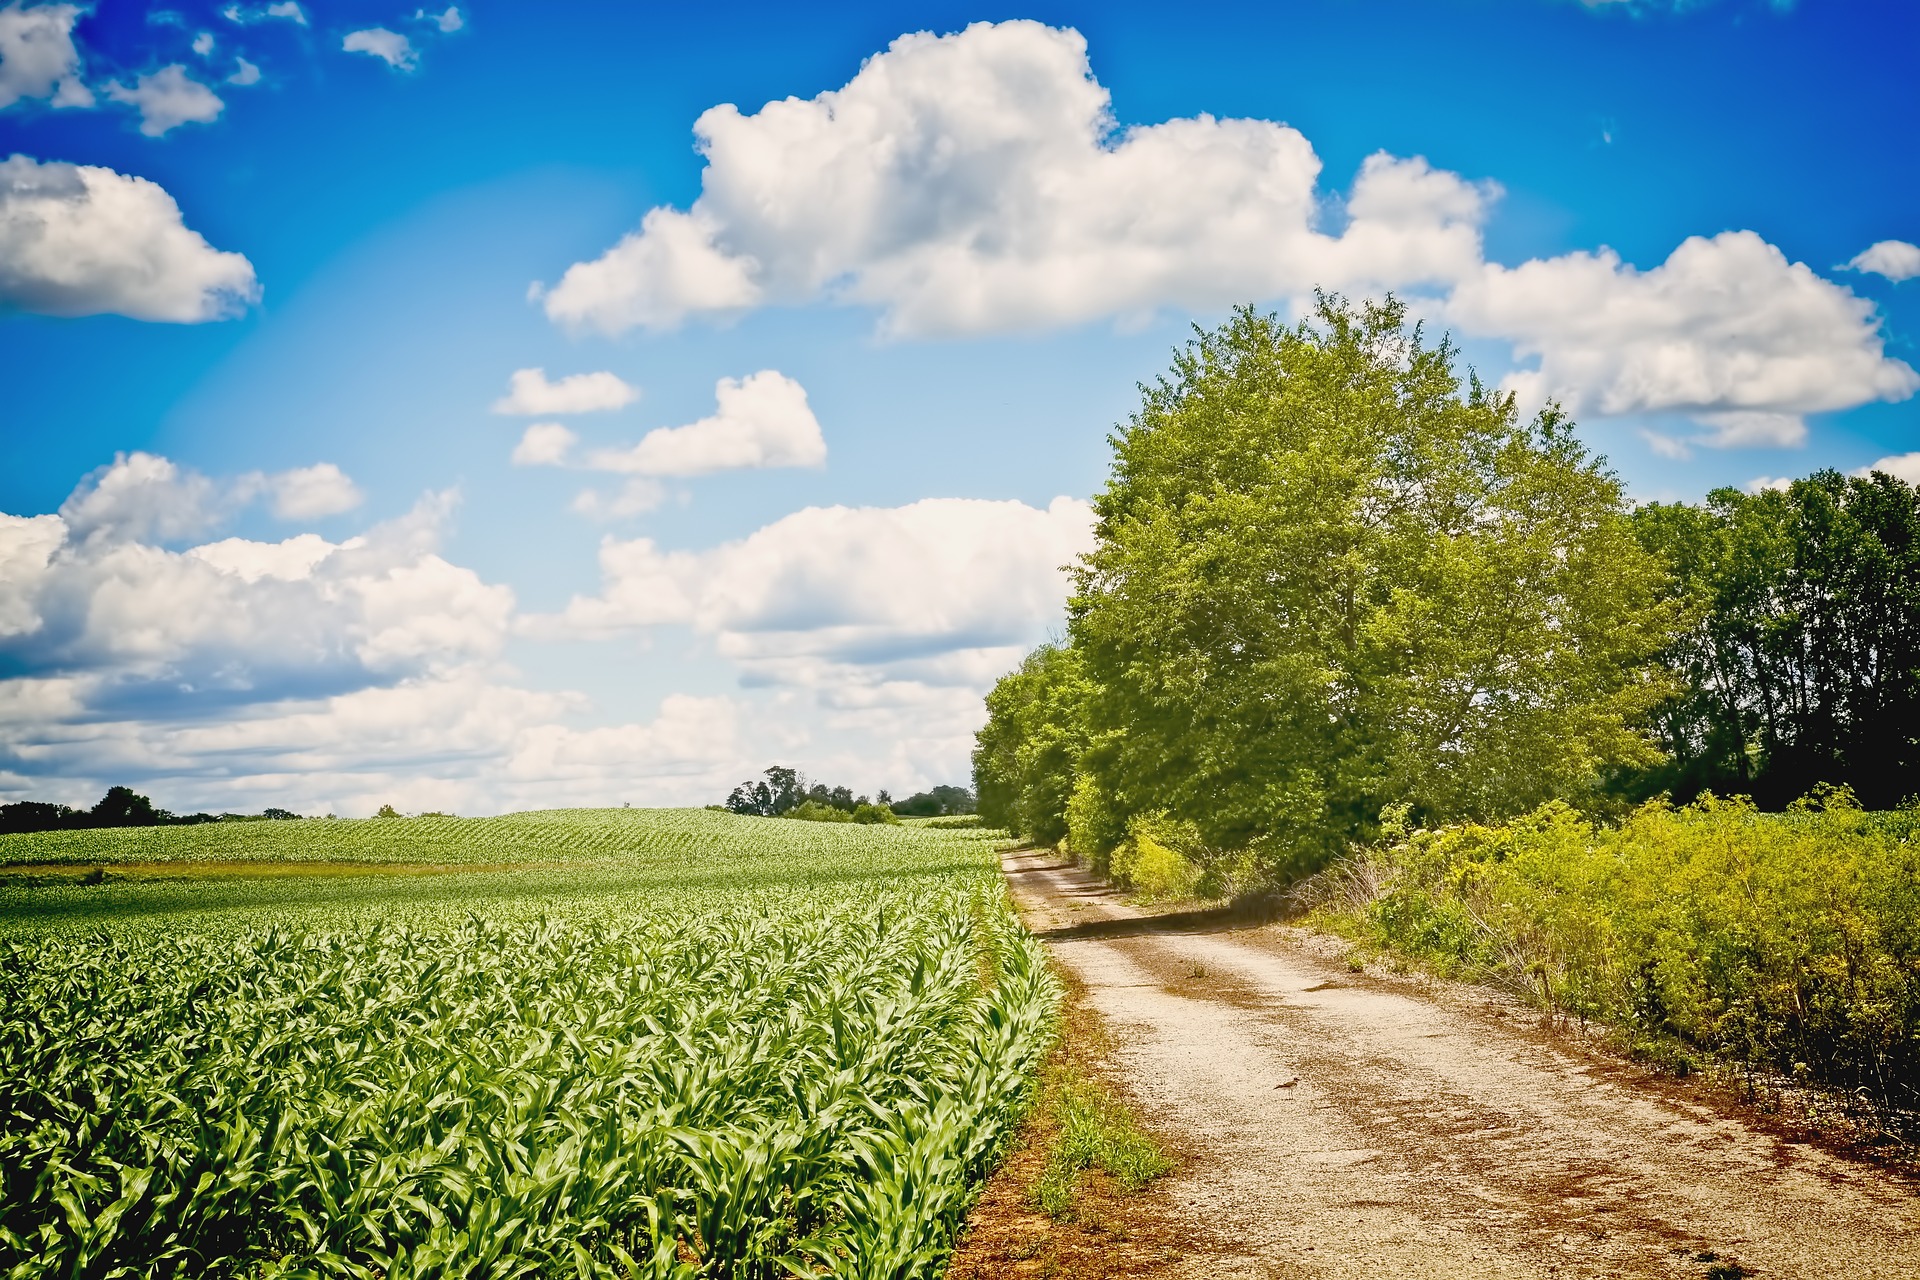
783	792
120	807
1796	660
1332	578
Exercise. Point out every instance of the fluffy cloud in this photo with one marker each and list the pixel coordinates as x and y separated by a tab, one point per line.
318	674
144	497
976	183
973	183
1726	330
875	628
27	547
762	420
237	614
167	99
529	392
308	493
851	585
38	58
1903	466
1895	259
245	73
80	240
544	444
285	10
448	21
390	47
305	672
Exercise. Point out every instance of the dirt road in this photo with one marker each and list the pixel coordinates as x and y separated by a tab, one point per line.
1344	1126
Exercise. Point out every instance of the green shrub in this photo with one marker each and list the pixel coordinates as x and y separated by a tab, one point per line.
1158	858
814	811
1787	942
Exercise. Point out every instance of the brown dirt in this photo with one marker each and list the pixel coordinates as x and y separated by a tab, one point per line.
1110	1233
1336	1124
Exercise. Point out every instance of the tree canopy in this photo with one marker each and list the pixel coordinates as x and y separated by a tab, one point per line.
1330	576
1798	661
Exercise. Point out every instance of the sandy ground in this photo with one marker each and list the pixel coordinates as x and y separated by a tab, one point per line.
1340	1125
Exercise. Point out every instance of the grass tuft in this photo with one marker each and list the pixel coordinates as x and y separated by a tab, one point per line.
1095	1131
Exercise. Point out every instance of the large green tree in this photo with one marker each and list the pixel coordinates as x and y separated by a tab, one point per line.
1330	577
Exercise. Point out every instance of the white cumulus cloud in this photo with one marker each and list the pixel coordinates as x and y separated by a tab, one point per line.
974	182
448	20
529	392
147	498
245	73
246	616
1726	330
309	493
167	99
544	444
1902	466
306	672
977	182
285	10
143	497
851	584
877	628
37	55
1895	259
390	47
80	240
762	420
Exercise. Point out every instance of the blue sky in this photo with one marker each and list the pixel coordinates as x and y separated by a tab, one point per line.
317	575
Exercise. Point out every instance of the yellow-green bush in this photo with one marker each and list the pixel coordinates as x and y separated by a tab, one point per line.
1788	942
1157	860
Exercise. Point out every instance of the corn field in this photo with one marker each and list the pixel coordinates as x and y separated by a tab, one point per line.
797	1056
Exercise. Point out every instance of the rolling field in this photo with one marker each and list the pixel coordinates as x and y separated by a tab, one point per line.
587	1043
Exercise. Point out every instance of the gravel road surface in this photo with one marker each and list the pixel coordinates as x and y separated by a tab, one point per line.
1342	1125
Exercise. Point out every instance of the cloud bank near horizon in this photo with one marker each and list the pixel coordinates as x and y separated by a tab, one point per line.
339	674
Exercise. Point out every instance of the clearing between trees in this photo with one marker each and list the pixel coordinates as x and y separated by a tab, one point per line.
1342	1124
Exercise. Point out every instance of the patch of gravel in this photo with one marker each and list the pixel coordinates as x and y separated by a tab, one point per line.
1346	1126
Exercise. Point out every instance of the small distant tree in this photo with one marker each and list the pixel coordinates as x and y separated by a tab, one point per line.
387	811
780	790
120	807
937	803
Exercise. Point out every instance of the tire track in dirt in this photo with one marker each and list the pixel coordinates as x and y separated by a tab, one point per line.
1347	1128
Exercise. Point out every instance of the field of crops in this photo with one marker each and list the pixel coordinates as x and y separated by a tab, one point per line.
621	1043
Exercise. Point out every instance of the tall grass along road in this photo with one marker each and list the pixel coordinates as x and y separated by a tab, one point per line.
625	1044
1352	1127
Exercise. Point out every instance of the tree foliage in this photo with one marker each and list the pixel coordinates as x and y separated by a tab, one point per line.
1328	577
120	807
940	802
1799	663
